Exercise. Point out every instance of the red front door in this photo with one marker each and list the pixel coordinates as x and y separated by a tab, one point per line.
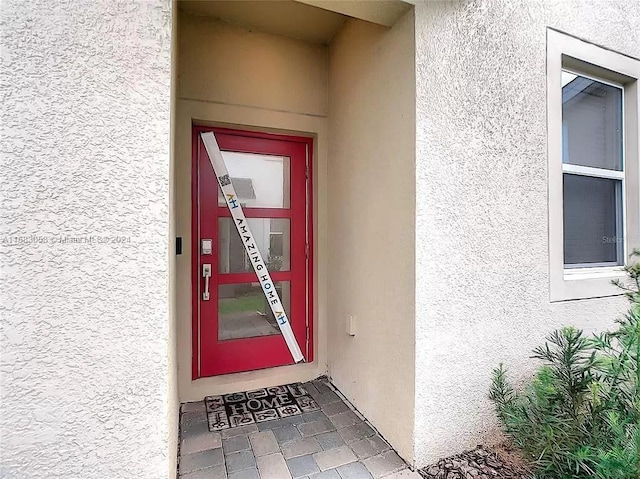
234	329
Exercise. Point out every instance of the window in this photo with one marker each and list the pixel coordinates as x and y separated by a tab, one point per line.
594	199
592	172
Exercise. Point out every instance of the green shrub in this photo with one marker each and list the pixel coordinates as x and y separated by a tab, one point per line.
580	415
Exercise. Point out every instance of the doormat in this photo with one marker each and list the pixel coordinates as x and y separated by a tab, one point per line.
240	409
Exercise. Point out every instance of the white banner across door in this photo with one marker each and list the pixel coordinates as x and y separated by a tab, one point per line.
259	266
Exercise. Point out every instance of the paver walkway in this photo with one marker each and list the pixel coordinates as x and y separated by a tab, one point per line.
333	443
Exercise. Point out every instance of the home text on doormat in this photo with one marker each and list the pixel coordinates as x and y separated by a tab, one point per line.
239	409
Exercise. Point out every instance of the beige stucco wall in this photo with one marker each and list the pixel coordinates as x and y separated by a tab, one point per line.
232	76
371	223
223	63
482	261
86	380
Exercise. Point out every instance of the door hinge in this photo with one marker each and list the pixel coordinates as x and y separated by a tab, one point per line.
306	250
306	171
307	335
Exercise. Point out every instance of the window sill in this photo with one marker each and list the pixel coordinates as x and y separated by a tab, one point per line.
609	273
586	283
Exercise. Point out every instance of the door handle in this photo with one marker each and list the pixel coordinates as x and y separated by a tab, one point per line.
206	274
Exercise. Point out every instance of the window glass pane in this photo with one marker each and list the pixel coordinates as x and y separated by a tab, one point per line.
592	221
260	181
591	123
272	238
243	311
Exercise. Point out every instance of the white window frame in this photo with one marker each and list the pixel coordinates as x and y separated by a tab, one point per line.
571	54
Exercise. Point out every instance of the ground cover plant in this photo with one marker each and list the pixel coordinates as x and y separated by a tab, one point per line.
579	417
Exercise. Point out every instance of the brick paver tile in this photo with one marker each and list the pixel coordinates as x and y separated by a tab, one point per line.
329	440
301	447
245	474
344	419
327	398
332	443
302	466
201	460
330	474
314	416
216	472
197	406
192	430
200	442
235	444
239	431
240	460
311	389
370	446
263	443
356	432
384	464
297	420
316	427
322	385
286	434
273	466
405	474
334	457
335	408
274	424
355	470
192	417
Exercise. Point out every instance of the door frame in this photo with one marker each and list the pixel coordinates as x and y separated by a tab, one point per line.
196	129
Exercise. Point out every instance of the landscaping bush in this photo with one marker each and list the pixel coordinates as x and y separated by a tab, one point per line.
580	415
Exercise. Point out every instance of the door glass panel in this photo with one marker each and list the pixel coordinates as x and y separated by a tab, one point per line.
260	181
243	311
272	237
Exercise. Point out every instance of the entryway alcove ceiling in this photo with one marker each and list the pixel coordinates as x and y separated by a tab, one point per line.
314	21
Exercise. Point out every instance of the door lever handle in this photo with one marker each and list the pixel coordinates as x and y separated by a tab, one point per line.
206	274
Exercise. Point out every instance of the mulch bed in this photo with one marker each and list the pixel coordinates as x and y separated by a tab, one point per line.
479	463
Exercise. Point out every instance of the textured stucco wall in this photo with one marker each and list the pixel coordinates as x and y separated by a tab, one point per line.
482	283
371	223
85	130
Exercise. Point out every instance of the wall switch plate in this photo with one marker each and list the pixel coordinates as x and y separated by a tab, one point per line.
351	325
